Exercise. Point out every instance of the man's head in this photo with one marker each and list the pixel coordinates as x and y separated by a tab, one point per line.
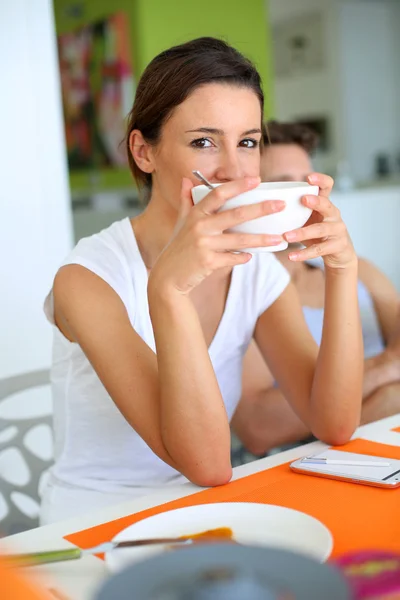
286	152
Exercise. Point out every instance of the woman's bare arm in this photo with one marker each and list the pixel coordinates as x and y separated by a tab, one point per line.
161	401
324	389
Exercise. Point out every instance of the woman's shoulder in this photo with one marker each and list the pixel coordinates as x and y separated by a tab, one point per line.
111	255
112	241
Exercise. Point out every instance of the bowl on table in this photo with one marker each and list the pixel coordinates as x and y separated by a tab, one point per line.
293	216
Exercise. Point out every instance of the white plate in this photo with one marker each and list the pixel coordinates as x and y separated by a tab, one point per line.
255	524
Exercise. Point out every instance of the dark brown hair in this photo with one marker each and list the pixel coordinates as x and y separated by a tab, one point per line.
171	77
275	132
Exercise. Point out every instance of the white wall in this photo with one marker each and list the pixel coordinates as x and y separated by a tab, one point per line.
395	22
35	214
317	92
358	89
369	62
372	217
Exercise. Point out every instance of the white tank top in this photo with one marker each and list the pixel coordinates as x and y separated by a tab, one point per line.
95	447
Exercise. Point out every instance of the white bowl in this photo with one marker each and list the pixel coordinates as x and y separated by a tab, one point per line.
294	215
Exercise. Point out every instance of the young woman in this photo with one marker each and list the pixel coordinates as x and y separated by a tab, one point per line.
153	315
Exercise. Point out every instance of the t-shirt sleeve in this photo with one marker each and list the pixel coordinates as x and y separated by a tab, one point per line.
273	279
102	259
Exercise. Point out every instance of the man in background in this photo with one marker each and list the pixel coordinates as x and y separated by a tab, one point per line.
264	419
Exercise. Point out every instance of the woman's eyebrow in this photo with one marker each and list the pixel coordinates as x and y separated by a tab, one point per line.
213	131
251	131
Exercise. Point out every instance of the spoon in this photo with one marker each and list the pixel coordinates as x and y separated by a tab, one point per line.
203	179
49	556
40	558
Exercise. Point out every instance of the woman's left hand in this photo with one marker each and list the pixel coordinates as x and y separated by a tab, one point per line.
324	234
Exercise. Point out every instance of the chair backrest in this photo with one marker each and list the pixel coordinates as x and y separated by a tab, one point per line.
26	448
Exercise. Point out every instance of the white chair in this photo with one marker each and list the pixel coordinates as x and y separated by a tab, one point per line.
26	448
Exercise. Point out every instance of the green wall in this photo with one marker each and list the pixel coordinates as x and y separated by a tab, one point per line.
158	24
242	23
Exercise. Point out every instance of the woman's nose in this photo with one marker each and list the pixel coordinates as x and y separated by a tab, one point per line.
229	168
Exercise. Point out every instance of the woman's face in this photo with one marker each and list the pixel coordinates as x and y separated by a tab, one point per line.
216	130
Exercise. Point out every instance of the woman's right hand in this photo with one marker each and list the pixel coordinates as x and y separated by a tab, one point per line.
200	245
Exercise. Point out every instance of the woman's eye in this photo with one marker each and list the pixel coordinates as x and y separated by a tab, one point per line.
249	143
201	143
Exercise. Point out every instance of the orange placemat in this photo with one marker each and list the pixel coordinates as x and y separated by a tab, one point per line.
358	516
397	429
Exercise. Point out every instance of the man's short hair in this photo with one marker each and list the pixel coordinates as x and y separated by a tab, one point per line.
275	132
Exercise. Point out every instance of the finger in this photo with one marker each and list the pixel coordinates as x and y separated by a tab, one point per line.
241	241
231	259
217	198
324	182
317	231
241	214
323	206
186	198
319	249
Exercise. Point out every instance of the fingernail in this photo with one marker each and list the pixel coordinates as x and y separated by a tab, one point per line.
278	204
313	178
312	200
276	239
291	236
253	180
294	256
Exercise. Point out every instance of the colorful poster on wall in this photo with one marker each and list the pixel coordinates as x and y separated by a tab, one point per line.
97	89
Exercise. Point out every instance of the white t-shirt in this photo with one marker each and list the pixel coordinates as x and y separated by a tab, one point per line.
95	447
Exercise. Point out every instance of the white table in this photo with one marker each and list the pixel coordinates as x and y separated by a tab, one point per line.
79	579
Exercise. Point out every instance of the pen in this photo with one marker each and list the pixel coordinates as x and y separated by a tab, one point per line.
350	463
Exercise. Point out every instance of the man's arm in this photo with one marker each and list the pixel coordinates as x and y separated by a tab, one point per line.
380	370
383	403
385	298
384	368
263	418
